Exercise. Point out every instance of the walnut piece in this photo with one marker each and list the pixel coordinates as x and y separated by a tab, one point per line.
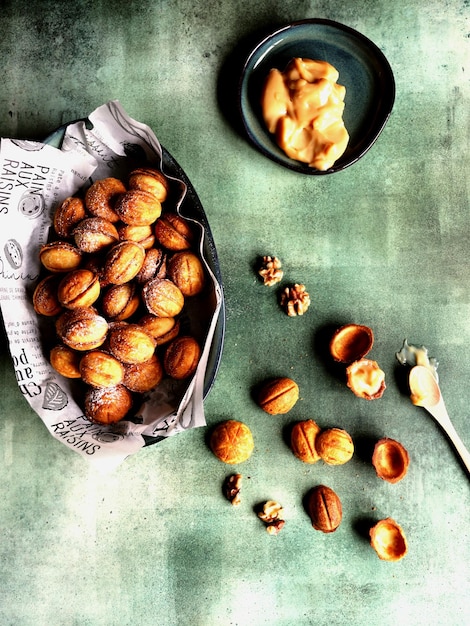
231	488
270	270
274	528
295	300
271	514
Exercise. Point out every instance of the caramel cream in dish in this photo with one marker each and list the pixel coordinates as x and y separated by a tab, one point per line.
303	107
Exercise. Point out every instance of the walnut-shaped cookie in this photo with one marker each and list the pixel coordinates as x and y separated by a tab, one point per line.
101	197
67	215
143	377
130	343
151	180
66	361
100	369
303	439
107	405
119	302
182	357
174	232
162	297
45	299
60	256
79	288
185	269
95	234
137	207
162	329
232	442
82	329
123	262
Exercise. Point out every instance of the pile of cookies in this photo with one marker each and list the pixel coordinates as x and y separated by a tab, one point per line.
116	276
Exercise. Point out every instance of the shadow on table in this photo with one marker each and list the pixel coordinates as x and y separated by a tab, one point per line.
228	84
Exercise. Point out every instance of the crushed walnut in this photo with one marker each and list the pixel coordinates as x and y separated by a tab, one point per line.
270	270
274	528
231	488
295	300
271	514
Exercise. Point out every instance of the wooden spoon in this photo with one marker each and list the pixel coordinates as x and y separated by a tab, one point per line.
425	392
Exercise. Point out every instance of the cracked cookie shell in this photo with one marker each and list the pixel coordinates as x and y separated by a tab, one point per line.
390	460
388	540
365	379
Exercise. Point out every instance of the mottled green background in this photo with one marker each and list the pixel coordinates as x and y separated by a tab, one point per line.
385	243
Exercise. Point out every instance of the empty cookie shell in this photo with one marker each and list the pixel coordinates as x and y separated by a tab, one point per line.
390	460
351	343
388	540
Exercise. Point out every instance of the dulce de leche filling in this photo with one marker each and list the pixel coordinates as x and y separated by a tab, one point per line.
303	107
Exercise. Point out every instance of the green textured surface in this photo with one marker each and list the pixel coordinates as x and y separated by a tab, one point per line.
385	243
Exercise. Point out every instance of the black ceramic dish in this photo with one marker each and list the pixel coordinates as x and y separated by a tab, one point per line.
363	70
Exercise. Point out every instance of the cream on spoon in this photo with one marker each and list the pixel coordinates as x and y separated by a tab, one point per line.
425	392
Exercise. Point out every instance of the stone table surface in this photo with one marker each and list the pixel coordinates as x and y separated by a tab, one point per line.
385	243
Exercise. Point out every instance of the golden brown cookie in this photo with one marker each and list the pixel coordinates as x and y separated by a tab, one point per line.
123	262
303	436
232	442
79	288
142	377
82	329
107	405
95	234
142	234
181	357
151	180
138	208
119	302
60	256
278	395
335	446
130	343
162	297
100	369
66	361
154	266
187	272
45	299
67	215
101	198
162	329
173	232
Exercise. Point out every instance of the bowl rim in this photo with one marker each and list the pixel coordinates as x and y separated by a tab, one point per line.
387	99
